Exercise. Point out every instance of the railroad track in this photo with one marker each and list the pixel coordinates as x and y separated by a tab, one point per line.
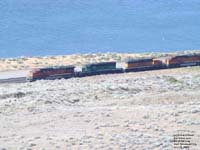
14	80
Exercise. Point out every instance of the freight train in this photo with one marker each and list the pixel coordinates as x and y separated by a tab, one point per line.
134	65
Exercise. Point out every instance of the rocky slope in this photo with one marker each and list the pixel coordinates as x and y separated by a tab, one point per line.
141	110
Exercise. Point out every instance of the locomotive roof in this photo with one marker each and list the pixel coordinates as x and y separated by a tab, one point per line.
98	64
57	67
139	60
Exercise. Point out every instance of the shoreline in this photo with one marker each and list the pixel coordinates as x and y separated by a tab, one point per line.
23	63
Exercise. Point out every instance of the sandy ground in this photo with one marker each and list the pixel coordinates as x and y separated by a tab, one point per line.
13	74
23	63
139	111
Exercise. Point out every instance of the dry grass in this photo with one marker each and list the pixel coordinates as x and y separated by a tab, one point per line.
75	59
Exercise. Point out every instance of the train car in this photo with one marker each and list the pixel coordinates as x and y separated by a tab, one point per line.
51	73
142	64
183	60
99	68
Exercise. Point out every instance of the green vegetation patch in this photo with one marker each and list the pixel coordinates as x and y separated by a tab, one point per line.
171	79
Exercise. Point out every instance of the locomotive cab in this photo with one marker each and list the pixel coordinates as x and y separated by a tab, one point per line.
31	75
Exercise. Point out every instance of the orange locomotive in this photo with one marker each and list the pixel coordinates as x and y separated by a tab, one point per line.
51	73
182	61
143	64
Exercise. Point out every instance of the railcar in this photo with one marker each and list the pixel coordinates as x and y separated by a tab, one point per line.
51	73
143	64
183	60
99	68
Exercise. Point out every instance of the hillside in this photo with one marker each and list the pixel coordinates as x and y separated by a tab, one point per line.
24	63
123	111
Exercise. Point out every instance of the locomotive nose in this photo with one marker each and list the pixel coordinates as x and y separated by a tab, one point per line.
30	74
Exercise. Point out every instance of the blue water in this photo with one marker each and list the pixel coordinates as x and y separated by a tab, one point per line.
52	27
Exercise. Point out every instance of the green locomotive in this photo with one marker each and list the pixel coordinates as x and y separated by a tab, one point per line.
99	68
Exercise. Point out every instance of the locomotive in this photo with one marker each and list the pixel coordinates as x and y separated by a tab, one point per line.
51	73
142	64
133	65
182	61
99	68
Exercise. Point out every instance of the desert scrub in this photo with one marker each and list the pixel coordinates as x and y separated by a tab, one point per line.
8	62
171	79
36	63
38	57
105	58
14	66
157	55
194	68
77	63
128	58
116	57
23	58
12	59
20	61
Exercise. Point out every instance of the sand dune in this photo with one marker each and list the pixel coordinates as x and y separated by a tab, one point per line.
23	63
